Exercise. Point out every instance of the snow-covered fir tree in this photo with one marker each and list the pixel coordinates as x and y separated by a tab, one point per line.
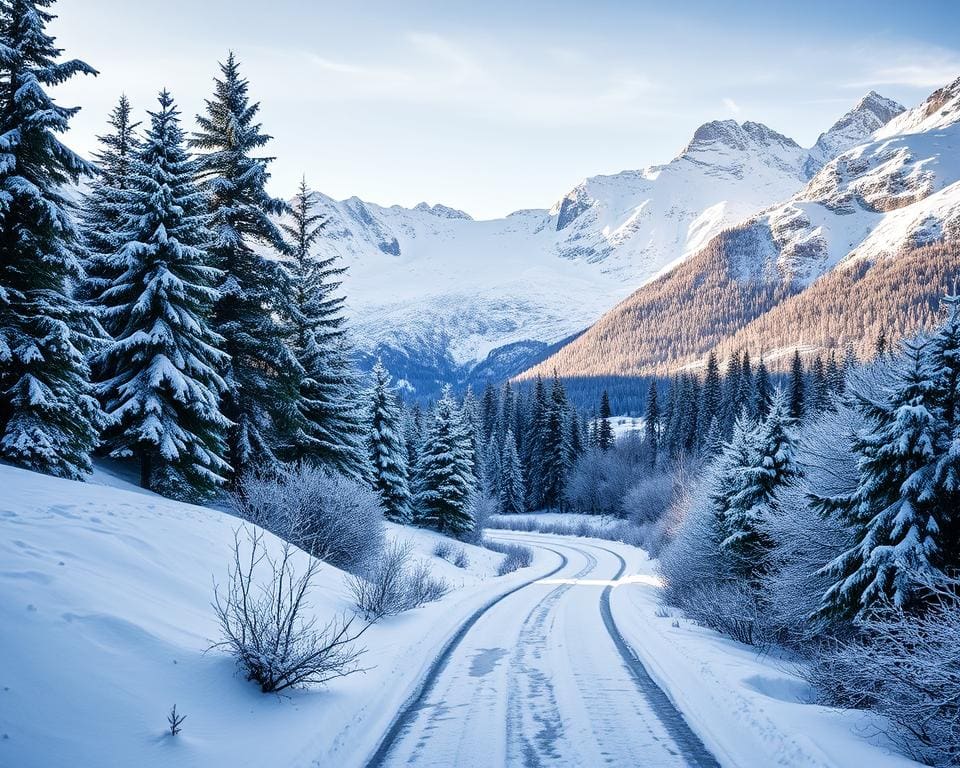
158	376
604	428
555	455
772	465
510	485
763	391
263	373
798	387
535	415
49	418
711	398
388	454
445	471
412	438
470	410
904	509
651	426
100	217
327	427
492	456
732	461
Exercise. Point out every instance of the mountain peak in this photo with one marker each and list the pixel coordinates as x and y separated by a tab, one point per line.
443	211
940	109
736	135
869	114
881	107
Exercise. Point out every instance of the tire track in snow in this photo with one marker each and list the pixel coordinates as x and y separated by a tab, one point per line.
673	720
409	710
540	703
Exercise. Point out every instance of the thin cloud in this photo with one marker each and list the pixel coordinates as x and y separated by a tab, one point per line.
731	106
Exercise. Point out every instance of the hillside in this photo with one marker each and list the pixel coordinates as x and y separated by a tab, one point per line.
870	243
105	603
442	297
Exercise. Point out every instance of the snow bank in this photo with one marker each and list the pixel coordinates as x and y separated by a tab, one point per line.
105	615
751	711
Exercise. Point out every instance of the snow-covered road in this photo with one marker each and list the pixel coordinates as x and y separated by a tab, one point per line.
542	678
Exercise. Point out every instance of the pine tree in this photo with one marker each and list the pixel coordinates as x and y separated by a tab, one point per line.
388	454
533	459
490	410
263	374
731	391
880	348
797	387
412	437
763	391
556	447
492	456
326	427
472	416
711	403
445	471
773	465
510	484
507	417
747	392
836	376
820	389
943	360
604	428
651	425
575	439
49	418
158	376
101	217
733	460
713	440
690	434
894	509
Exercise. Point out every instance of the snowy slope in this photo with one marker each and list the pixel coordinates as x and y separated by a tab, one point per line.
896	191
902	189
437	292
105	614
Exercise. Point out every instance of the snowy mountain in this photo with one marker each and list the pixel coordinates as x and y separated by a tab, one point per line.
442	297
877	227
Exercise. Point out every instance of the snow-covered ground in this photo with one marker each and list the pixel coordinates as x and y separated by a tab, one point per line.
106	621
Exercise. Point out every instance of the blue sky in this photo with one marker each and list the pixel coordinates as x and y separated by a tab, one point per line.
494	106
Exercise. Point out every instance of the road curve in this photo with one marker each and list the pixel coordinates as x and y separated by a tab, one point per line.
542	677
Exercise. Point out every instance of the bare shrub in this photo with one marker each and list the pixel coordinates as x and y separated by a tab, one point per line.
391	584
422	587
517	556
460	558
443	549
262	612
692	556
175	721
906	668
381	589
332	517
731	609
648	499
